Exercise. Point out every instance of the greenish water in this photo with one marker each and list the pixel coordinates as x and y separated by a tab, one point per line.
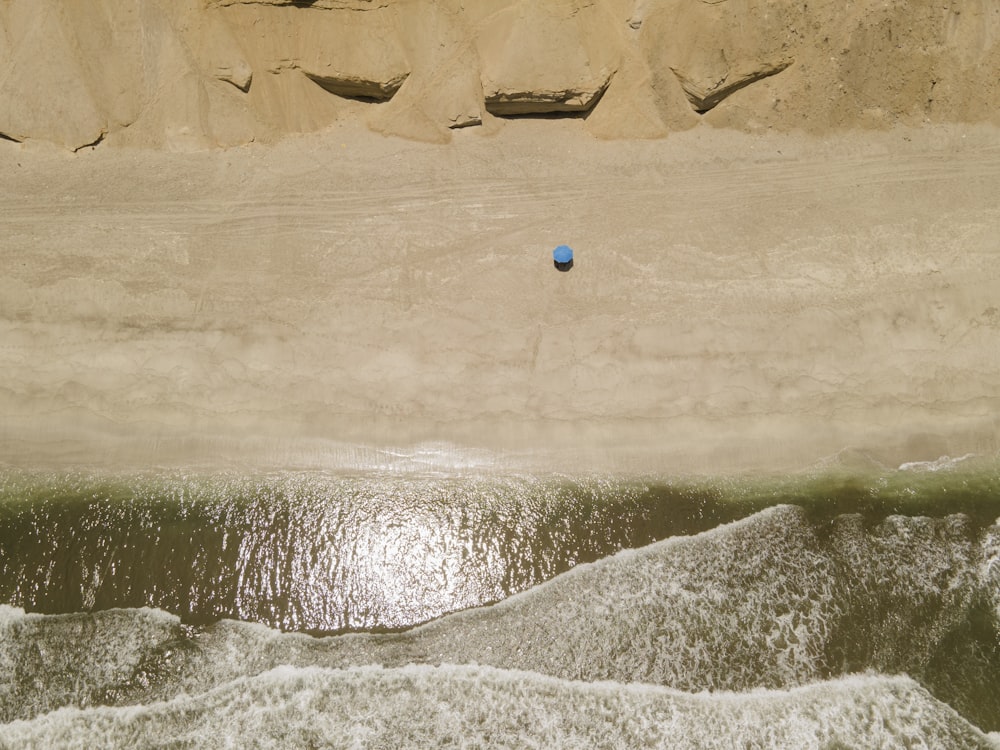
330	553
734	584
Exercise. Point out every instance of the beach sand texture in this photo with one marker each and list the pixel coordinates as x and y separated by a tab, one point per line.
737	300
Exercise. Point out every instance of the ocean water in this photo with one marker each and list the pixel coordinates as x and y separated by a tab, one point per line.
827	609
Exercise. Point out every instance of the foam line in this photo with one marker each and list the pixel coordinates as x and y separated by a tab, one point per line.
419	706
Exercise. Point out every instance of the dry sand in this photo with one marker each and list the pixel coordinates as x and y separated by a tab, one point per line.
339	299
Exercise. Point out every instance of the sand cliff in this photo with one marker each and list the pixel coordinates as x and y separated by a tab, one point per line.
201	73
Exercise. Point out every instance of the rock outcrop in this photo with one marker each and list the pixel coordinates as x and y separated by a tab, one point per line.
539	58
201	73
729	45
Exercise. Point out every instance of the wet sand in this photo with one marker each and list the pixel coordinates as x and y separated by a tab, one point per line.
738	302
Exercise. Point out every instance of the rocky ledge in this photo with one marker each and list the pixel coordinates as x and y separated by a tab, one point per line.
201	73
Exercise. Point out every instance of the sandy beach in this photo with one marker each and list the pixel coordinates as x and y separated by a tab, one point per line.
738	301
305	442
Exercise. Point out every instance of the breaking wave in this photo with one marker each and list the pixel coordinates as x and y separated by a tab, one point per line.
802	613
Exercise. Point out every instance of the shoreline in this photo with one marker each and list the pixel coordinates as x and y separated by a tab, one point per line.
733	454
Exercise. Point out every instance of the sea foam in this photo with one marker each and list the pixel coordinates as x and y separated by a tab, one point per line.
772	601
468	706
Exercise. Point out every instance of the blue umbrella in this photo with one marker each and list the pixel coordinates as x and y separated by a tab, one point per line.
563	257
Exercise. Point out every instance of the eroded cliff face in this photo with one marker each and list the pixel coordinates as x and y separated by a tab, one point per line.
202	73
